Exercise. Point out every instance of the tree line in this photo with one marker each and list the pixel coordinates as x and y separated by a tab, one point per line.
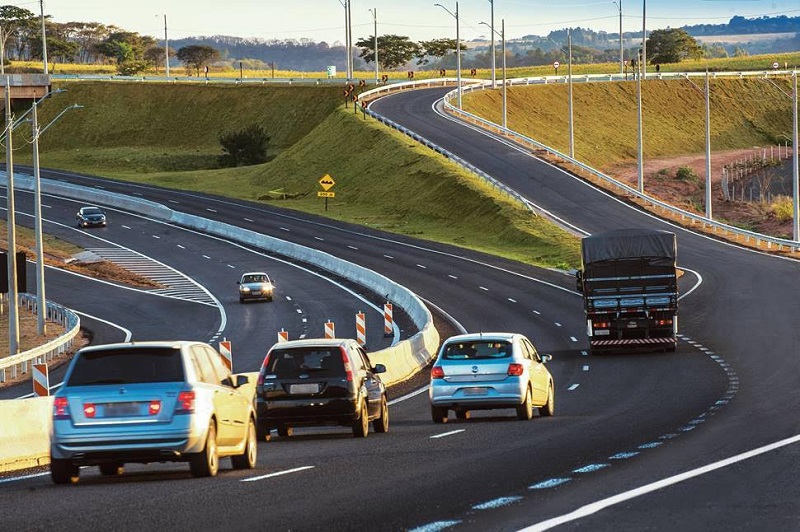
132	53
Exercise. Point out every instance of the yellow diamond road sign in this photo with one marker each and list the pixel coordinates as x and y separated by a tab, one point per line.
327	182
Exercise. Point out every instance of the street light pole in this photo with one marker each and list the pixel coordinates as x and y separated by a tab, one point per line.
374	12
494	52
458	49
640	154
505	88
621	47
708	148
41	300
795	162
644	39
13	299
569	77
505	80
44	37
166	48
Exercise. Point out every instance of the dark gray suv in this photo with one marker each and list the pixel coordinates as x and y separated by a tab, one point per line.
315	382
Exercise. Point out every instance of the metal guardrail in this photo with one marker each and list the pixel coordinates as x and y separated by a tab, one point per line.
441	82
747	236
20	363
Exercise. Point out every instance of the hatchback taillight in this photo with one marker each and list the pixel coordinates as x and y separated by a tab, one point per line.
437	372
89	410
60	408
348	369
515	370
154	408
185	403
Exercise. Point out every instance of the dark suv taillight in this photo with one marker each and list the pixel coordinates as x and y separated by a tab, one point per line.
348	369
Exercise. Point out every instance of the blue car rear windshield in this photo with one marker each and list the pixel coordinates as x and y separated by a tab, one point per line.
128	366
482	349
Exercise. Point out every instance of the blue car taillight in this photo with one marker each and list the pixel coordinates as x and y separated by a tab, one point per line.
60	408
185	403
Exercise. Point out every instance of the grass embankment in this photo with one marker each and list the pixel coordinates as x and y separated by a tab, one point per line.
166	135
744	113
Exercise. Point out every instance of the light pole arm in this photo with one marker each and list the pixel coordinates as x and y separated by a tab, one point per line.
59	115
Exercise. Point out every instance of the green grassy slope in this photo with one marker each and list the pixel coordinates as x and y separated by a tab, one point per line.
745	113
165	135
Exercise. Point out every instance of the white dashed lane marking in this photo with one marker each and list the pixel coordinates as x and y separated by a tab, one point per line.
436	436
573	387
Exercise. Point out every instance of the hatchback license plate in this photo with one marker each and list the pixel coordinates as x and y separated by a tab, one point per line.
475	391
303	388
120	409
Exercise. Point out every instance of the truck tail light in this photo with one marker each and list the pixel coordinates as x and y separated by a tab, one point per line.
60	408
663	322
601	325
515	370
437	372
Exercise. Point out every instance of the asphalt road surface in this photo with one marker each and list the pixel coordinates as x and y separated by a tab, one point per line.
622	422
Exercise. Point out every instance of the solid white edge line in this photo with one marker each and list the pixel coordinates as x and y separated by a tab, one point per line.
277	474
24	477
593	508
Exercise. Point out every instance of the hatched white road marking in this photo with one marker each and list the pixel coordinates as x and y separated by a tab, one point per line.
175	284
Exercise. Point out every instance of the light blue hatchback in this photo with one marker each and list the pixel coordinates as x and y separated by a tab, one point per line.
151	402
489	371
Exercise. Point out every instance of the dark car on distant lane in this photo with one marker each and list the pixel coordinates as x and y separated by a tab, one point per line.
91	217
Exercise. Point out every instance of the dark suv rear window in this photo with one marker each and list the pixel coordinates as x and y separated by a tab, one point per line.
311	361
477	350
128	366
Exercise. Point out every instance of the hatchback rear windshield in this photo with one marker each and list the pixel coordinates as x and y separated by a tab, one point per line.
311	361
477	350
127	366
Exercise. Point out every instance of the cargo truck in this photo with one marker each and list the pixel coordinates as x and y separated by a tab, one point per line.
629	284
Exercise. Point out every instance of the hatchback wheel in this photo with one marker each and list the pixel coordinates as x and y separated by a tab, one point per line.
247	460
206	462
111	469
525	410
64	472
381	424
549	407
439	414
361	425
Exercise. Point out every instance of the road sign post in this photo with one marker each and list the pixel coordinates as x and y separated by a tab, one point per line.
556	64
326	182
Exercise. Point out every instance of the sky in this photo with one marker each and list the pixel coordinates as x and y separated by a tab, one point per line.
323	20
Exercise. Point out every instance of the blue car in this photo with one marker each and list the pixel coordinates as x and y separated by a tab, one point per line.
144	402
484	371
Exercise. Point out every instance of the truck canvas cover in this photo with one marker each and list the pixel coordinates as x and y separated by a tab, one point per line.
629	244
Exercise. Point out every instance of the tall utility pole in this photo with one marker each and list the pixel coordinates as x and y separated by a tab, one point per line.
640	155
374	12
350	72
13	299
458	49
166	48
44	37
494	52
41	300
621	47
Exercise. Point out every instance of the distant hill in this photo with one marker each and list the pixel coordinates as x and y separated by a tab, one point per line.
740	35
